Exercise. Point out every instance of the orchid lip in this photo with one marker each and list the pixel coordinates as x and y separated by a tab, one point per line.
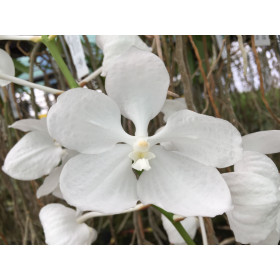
141	155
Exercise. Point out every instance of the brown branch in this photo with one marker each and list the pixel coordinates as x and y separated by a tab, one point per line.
92	62
158	45
207	102
261	81
205	49
217	60
138	226
211	236
226	96
186	80
4	239
121	226
211	98
244	54
227	241
113	232
7	48
21	49
173	94
166	54
32	61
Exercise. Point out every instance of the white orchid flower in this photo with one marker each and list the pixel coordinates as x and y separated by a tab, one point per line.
62	228
254	188
115	45
51	182
190	224
173	105
6	66
101	179
35	155
248	224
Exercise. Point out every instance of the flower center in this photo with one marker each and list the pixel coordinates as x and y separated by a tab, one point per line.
141	155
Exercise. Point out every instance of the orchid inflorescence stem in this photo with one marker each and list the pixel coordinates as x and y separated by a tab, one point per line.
52	47
141	206
89	215
44	88
21	38
91	76
177	225
203	231
28	84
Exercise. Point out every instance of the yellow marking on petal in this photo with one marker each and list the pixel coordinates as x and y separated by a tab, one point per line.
42	116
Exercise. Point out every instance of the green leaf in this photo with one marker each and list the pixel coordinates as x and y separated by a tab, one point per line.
20	67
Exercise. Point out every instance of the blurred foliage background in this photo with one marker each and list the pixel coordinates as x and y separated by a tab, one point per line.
236	78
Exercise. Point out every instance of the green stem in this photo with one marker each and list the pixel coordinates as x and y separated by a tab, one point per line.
177	225
51	45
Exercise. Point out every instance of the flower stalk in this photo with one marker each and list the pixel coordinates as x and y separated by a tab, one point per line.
51	45
91	76
34	39
177	225
90	215
203	231
28	84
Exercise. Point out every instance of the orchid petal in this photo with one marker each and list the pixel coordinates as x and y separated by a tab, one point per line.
103	183
51	182
265	142
57	193
255	200
6	66
33	156
183	186
86	121
272	239
138	83
254	162
118	44
173	105
31	125
115	45
208	140
190	224
61	227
